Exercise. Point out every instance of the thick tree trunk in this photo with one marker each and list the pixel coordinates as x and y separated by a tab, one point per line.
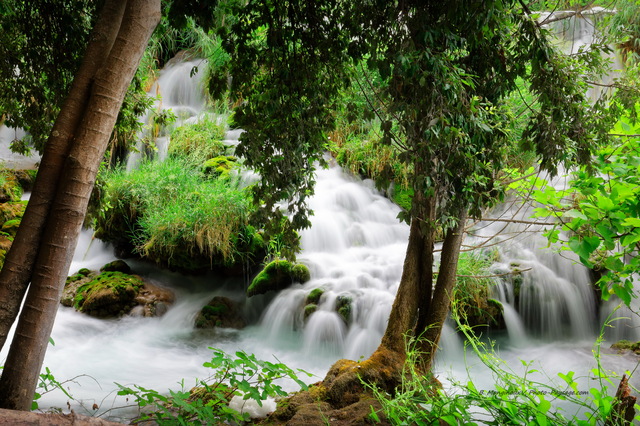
16	273
414	292
19	378
441	300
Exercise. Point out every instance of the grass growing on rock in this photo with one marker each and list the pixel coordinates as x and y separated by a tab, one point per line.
168	212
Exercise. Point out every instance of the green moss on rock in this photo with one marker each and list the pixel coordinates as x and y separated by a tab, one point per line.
309	309
220	166
314	296
626	346
12	210
116	266
278	275
10	189
220	312
108	294
344	307
11	227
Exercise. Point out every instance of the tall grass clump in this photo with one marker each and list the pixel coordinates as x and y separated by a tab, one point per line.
197	142
172	214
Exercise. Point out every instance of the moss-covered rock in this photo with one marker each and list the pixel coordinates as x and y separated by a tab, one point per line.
309	309
12	210
11	227
278	275
344	304
25	178
623	346
10	189
314	296
220	312
5	245
220	166
117	265
108	294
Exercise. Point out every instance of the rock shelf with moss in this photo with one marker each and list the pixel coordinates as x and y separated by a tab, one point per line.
278	275
109	294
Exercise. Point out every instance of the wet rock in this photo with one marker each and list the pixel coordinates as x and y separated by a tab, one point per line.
154	300
116	266
277	276
344	304
113	294
220	312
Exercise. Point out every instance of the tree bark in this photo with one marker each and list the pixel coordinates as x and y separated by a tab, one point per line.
20	375
16	273
441	300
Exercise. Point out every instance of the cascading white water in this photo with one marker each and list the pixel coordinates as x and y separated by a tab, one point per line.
177	89
355	251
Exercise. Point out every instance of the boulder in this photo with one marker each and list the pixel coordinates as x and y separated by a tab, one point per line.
278	275
220	312
152	301
108	294
114	293
117	265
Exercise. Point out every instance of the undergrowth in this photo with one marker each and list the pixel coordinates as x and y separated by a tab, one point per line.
515	398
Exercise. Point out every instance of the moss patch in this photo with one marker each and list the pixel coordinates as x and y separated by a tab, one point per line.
220	166
277	276
108	294
623	346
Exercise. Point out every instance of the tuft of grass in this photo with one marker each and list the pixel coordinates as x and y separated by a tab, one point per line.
167	211
198	141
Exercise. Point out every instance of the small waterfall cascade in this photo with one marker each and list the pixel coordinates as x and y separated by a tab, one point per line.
545	292
354	250
178	89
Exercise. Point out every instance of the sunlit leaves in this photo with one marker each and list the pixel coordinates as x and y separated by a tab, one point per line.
600	212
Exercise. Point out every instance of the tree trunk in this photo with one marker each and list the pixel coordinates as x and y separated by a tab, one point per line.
20	375
441	300
413	297
16	273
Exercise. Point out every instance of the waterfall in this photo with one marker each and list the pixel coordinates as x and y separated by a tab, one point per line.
178	89
355	251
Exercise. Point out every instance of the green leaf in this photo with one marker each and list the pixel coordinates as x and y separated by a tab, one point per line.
632	221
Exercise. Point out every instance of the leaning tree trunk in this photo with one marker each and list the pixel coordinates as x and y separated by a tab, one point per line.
20	375
18	266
